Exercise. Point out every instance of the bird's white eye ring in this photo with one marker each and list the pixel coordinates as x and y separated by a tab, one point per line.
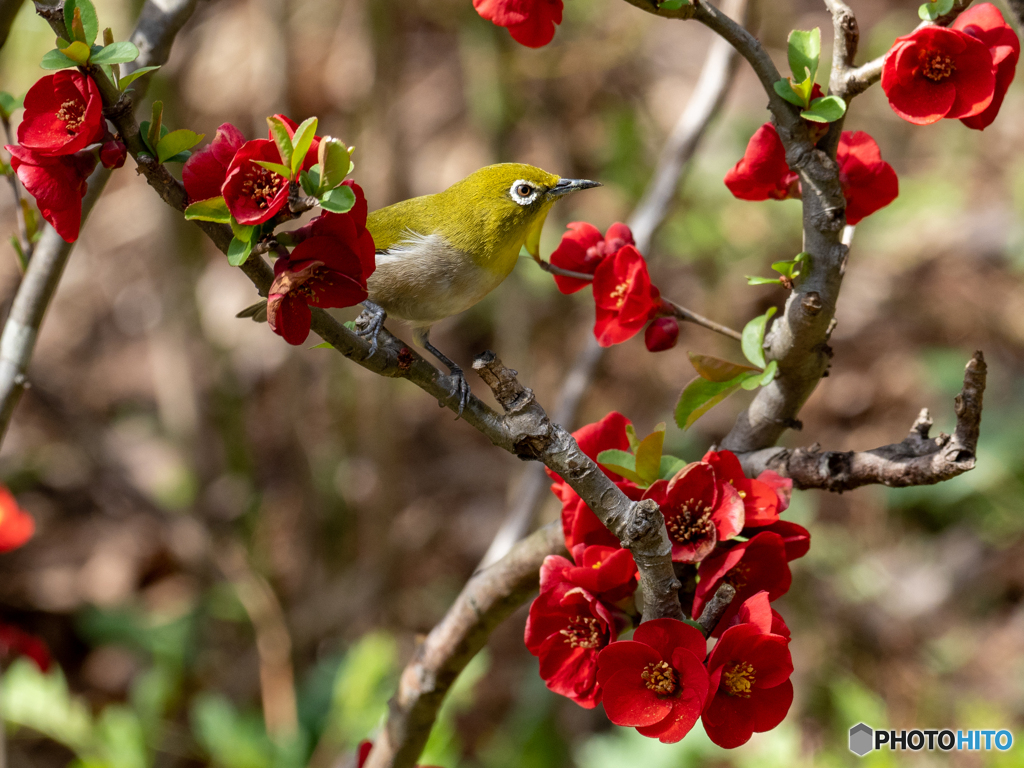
523	192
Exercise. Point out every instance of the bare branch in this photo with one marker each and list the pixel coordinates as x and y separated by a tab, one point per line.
27	246
715	608
689	316
845	41
917	460
488	598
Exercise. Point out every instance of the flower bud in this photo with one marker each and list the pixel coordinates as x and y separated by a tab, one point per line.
113	154
662	334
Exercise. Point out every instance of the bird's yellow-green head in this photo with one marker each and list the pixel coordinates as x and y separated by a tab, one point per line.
506	204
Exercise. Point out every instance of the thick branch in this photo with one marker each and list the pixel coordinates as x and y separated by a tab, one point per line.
716	608
488	598
917	460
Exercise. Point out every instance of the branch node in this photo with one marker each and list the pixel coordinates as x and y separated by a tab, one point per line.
812	303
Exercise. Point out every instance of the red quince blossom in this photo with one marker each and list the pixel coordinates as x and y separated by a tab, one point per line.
113	154
761	500
985	22
204	172
583	248
758	610
566	629
63	114
936	72
699	511
16	642
328	268
254	194
624	297
579	523
16	525
795	538
608	573
751	566
656	682
762	173
57	183
750	667
530	22
662	334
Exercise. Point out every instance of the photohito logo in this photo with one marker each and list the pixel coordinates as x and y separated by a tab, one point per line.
864	739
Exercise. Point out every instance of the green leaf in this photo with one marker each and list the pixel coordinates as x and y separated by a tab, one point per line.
310	181
78	52
338	200
670	465
175	142
648	455
700	396
752	382
9	103
301	142
116	53
214	209
242	231
280	170
769	373
825	109
804	53
238	251
28	213
279	131
323	345
155	132
785	90
335	162
133	76
672	5
753	338
621	463
758	280
634	441
716	369
89	22
932	11
22	260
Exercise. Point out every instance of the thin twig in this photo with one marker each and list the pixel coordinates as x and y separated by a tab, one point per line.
23	239
716	608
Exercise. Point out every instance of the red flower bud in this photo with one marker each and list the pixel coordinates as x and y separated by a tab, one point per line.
113	154
662	334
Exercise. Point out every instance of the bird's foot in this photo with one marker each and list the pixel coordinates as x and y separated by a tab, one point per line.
461	389
370	322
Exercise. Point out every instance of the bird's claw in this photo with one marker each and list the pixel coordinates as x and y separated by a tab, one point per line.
462	390
369	324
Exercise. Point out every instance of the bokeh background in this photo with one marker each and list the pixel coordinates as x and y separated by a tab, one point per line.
240	541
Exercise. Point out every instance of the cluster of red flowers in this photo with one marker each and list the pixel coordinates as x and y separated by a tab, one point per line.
61	137
961	72
530	22
868	182
724	525
625	298
333	255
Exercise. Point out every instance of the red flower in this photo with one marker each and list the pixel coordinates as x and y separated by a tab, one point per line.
113	154
758	610
936	72
63	114
662	334
583	248
986	23
624	297
566	629
869	183
349	229
700	510
204	173
761	501
57	183
530	22
750	667
756	564
16	642
253	193
795	538
657	681
608	573
323	270
762	173
16	525
579	523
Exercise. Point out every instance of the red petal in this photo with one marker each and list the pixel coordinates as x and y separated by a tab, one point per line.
628	700
667	635
289	317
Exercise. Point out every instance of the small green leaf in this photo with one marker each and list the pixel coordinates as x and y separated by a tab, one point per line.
214	209
155	132
323	345
89	23
8	104
238	251
301	142
672	5
752	382
621	463
31	218
22	260
116	53
279	131
242	231
350	324
785	90
753	338
78	52
634	441
131	77
335	162
769	373
670	466
310	181
716	369
932	11
280	170
648	455
175	142
758	280
338	200
804	53
700	396
825	109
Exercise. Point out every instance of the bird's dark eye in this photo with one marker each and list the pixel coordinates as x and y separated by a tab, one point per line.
524	190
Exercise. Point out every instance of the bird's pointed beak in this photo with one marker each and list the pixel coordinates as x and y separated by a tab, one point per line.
565	186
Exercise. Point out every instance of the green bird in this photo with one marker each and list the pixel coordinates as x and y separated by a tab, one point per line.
440	254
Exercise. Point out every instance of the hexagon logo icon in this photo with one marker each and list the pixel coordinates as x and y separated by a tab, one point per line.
862	739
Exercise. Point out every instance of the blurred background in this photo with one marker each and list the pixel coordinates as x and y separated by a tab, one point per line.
239	541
